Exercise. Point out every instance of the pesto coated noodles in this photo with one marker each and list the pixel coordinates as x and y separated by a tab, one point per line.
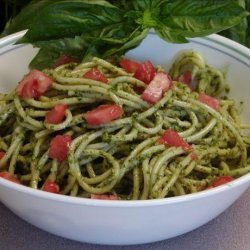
127	157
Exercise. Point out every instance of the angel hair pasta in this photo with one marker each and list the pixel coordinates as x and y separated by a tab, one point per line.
132	132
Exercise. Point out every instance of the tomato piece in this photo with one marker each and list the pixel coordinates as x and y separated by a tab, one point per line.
63	59
51	187
186	78
59	147
209	101
7	176
103	114
96	75
2	154
129	65
33	85
105	197
145	72
221	180
172	138
142	71
57	114
157	87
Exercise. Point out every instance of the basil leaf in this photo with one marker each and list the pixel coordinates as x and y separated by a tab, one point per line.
241	32
132	41
191	18
84	28
44	59
71	18
86	46
26	17
237	33
169	35
52	49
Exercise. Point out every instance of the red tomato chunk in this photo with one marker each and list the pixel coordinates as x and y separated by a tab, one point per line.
59	147
33	85
103	114
222	180
145	72
7	176
129	65
142	71
2	154
105	197
95	74
186	78
172	138
63	59
57	114
209	101
51	187
157	87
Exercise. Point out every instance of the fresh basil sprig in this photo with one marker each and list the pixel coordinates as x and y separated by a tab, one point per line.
240	32
83	28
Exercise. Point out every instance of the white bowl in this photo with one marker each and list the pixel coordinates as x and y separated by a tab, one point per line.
128	222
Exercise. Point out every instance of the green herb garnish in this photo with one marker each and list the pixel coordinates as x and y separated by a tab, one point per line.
85	29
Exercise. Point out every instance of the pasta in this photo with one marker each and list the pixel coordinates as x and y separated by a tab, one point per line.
125	157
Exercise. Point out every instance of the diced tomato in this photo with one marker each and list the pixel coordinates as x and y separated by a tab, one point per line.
145	72
57	114
63	59
103	114
157	87
105	197
34	84
6	175
59	147
172	138
51	186
221	180
129	65
186	78
96	75
2	154
209	100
